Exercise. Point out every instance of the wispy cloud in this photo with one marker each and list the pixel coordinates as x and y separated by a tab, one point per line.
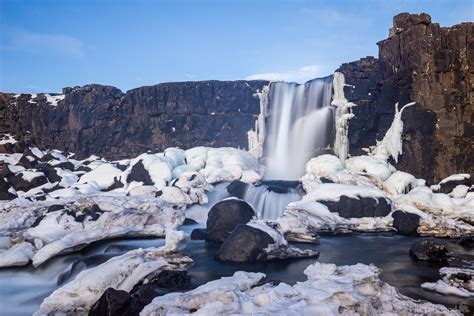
46	43
301	74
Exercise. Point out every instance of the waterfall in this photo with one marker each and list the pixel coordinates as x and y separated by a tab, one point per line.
300	126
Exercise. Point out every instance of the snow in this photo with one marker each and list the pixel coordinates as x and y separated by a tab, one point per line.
372	166
333	191
391	144
328	290
399	183
342	117
121	273
456	177
54	99
9	139
451	285
460	191
38	153
103	175
324	165
18	255
30	175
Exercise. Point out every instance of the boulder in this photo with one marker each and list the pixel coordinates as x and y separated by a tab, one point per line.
245	244
429	250
406	223
348	207
111	303
4	193
116	185
199	234
224	216
139	174
448	185
237	188
49	171
19	183
172	280
65	165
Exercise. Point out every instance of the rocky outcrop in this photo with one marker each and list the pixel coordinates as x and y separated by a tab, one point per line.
102	120
419	62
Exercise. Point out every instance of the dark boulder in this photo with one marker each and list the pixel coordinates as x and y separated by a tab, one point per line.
139	174
83	168
429	250
172	280
280	186
237	188
4	193
189	221
49	171
111	303
199	234
224	216
27	162
47	157
406	223
245	244
348	207
116	185
20	184
55	208
65	165
448	186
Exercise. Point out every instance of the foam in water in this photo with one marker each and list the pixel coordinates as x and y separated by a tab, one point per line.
300	126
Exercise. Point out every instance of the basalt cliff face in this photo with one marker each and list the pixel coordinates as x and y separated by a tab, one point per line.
419	61
424	63
102	120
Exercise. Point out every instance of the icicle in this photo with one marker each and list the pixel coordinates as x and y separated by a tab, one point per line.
257	136
391	144
343	115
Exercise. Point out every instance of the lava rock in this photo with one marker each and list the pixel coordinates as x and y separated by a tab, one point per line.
20	184
111	303
406	223
224	216
199	234
65	165
429	250
245	244
357	208
49	171
237	188
139	174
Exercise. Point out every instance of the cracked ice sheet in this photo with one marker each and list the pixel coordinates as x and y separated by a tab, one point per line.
121	273
329	290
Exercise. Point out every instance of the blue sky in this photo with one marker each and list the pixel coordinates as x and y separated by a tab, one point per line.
46	45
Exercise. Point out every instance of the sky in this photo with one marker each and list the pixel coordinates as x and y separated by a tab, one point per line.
47	45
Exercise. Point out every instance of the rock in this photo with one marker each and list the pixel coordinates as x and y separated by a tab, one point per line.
429	250
245	244
172	280
116	185
424	63
65	165
49	171
449	184
406	223
55	208
111	303
280	186
139	174
224	216
189	221
4	193
237	188
199	234
19	183
356	208
102	120
467	241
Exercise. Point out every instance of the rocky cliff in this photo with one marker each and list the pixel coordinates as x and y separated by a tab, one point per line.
432	65
102	120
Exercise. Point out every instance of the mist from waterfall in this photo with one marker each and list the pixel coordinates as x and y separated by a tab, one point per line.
300	126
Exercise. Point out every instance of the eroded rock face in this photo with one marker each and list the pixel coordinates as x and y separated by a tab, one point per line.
102	120
428	64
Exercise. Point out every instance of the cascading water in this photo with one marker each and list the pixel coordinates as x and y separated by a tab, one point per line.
300	126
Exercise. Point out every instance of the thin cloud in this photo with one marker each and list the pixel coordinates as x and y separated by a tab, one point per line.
301	74
41	43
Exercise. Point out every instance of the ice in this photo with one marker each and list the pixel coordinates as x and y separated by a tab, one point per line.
103	175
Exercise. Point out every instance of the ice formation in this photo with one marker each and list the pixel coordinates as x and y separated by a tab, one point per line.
328	290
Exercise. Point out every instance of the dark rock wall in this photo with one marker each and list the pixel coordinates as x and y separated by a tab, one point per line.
101	120
428	64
